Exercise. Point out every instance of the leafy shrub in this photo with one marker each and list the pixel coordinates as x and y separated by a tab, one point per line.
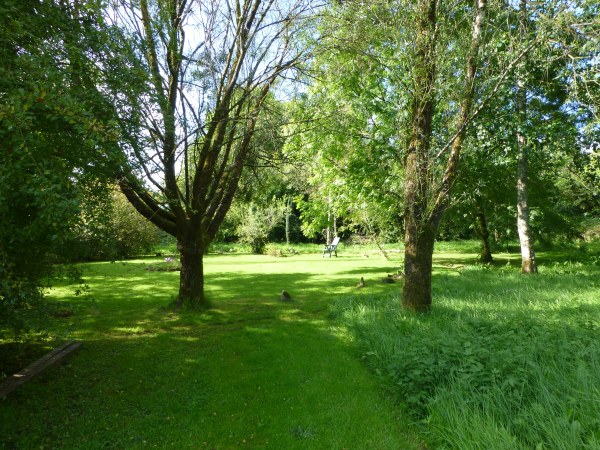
21	302
592	230
120	233
133	233
255	222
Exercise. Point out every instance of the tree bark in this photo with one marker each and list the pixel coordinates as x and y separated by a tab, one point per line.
528	263
418	232
484	234
425	203
288	213
191	279
418	262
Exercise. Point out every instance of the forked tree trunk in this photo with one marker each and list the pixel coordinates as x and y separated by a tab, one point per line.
484	234
193	209
424	201
419	234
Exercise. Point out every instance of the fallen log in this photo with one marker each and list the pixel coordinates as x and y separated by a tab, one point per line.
56	356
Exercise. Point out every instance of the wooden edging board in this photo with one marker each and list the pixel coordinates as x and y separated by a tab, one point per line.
50	359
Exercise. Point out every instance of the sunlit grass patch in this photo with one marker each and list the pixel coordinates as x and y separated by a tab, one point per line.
250	371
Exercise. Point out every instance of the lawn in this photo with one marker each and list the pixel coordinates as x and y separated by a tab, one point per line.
503	360
250	371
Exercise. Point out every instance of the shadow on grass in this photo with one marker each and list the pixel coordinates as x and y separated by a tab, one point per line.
250	371
217	379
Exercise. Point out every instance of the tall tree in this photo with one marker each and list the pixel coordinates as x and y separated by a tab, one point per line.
56	142
424	203
345	137
211	66
528	262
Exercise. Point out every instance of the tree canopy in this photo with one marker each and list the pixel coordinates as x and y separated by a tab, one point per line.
381	115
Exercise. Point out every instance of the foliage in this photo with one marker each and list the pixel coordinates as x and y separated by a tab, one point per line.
254	223
487	369
592	229
554	151
133	234
56	144
346	139
120	233
268	176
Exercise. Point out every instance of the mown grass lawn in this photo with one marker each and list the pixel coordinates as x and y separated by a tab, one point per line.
503	360
250	371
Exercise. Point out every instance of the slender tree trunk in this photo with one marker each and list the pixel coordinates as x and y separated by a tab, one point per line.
191	280
484	234
334	225
329	236
528	263
288	213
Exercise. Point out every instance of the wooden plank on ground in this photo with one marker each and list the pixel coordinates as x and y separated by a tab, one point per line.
50	359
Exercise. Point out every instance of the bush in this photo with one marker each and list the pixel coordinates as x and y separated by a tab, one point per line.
121	233
255	222
21	303
591	229
133	233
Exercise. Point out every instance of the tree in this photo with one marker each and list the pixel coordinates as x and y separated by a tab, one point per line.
255	222
56	143
211	66
424	204
528	262
111	229
346	142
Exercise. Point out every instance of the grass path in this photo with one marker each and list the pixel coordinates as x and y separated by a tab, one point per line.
250	372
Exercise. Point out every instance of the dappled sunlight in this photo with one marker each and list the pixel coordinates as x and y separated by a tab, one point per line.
131	332
290	368
260	330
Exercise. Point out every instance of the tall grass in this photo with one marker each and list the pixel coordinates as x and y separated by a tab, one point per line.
502	361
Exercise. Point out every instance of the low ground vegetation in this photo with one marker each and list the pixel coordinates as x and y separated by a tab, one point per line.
503	360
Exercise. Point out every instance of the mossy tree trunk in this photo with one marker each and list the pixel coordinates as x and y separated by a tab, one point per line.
425	199
419	232
418	261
